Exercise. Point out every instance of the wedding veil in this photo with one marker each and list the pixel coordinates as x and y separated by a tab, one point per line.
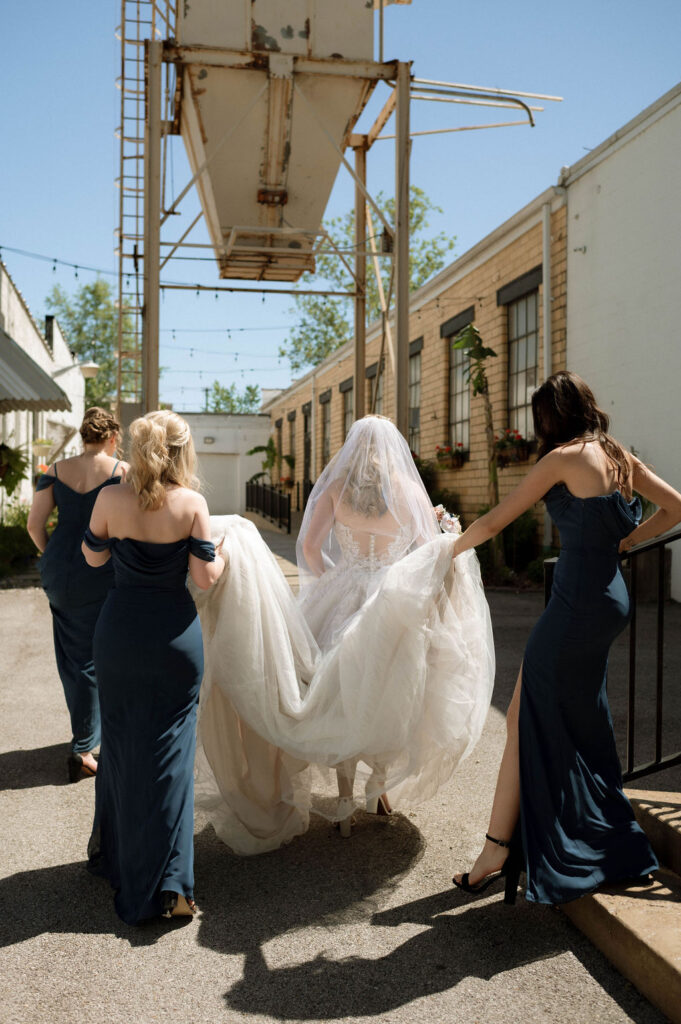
371	486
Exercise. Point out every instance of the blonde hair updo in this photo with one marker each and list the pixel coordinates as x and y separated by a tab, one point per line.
98	425
161	453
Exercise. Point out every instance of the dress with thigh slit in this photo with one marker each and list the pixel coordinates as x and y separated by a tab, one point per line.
578	827
148	654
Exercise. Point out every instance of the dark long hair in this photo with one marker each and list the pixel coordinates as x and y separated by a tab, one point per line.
565	412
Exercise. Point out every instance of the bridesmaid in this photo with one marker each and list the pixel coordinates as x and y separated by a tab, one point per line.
148	656
560	777
75	592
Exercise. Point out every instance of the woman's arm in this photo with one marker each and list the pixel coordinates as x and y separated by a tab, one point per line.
317	532
543	475
99	526
663	495
204	574
41	509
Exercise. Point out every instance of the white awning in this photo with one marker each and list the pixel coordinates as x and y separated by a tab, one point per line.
24	385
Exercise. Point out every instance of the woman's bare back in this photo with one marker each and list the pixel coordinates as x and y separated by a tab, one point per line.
83	473
173	521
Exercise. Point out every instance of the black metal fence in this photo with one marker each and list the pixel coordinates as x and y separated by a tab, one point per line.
302	494
270	503
648	568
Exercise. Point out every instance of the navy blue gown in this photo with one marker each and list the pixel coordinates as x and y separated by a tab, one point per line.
148	653
578	827
76	593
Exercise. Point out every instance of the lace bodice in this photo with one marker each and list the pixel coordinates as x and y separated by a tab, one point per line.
371	551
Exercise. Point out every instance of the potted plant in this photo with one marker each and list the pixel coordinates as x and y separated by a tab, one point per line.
13	467
451	456
286	481
511	446
42	446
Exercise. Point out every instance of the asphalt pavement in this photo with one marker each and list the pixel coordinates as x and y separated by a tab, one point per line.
325	929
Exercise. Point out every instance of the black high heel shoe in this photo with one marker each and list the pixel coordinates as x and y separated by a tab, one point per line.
78	769
174	904
510	872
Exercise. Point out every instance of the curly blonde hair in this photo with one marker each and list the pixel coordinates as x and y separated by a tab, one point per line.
161	453
98	425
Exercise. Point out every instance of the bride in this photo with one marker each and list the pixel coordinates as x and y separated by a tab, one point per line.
382	670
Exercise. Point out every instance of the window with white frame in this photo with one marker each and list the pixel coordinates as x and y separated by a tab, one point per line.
375	388
347	390
292	436
326	431
523	331
459	399
414	438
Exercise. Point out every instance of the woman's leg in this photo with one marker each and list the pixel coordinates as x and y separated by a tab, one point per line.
506	805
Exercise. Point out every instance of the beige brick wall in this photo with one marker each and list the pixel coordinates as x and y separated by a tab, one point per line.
478	288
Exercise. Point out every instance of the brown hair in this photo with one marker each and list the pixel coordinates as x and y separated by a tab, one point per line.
98	426
565	412
161	453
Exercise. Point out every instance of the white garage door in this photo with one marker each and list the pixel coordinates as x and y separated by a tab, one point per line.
220	483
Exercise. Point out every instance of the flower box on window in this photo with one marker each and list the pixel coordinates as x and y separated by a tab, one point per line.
511	446
450	456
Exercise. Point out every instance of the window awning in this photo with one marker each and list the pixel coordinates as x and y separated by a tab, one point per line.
24	385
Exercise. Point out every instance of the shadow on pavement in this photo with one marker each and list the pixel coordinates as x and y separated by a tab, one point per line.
29	769
68	899
326	882
461	941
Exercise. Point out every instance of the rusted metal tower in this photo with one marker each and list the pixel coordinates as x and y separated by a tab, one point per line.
266	95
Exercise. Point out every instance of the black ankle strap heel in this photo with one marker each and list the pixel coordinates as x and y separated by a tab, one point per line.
500	842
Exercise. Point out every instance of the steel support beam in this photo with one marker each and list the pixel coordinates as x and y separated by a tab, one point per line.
360	279
402	146
152	225
219	57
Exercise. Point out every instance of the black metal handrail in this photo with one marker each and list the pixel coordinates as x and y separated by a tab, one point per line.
269	502
659	544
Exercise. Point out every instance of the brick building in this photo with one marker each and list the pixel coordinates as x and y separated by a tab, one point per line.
500	285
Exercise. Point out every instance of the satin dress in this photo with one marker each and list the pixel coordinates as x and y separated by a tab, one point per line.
76	593
578	827
148	654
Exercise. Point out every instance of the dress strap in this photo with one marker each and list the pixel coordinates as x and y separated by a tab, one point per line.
203	549
117	464
96	543
55	469
45	480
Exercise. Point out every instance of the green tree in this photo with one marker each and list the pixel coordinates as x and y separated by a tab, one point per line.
89	320
470	340
229	399
325	321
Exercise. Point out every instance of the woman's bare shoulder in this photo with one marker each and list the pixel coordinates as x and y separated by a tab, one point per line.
187	498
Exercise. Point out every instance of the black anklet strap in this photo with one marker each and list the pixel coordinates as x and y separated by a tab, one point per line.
499	842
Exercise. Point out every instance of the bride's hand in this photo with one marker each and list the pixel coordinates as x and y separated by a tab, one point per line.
626	544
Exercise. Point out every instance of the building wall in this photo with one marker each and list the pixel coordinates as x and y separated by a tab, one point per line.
624	304
22	428
223	465
473	280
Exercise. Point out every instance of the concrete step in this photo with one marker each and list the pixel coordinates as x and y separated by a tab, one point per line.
659	815
639	930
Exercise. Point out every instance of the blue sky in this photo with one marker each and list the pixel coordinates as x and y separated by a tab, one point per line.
608	58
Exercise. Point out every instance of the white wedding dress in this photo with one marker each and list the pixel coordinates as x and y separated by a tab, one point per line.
385	665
